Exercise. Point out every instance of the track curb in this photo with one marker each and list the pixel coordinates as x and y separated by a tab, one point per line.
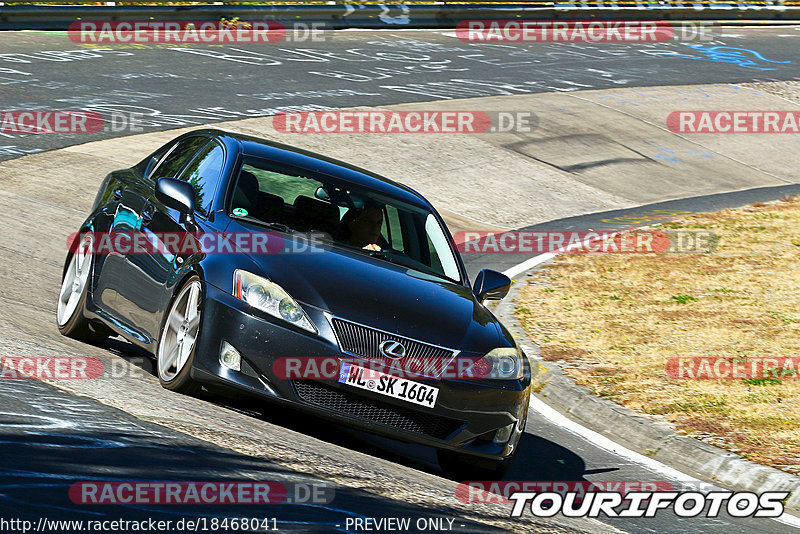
652	436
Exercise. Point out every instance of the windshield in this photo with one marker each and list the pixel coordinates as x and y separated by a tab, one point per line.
344	214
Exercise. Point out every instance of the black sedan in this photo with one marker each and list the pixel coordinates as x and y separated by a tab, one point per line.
237	261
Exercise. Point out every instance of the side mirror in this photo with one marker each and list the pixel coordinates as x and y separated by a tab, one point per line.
491	285
178	195
322	194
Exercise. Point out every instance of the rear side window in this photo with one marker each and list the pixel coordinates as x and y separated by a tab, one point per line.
177	159
204	173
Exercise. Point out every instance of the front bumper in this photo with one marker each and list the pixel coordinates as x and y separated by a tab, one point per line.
465	419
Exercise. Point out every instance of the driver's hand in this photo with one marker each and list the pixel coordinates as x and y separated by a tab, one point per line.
373	247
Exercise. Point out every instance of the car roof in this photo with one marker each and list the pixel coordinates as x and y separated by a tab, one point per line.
311	161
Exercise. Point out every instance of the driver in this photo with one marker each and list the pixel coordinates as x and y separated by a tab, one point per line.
365	228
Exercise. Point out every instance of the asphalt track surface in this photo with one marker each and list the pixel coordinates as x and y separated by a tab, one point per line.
54	438
174	86
86	441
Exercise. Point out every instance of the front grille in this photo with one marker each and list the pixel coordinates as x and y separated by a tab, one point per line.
421	358
374	411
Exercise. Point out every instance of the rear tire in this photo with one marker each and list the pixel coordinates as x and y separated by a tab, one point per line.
70	314
466	467
178	340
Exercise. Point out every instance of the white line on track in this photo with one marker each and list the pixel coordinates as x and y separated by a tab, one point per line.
541	258
596	438
601	441
529	264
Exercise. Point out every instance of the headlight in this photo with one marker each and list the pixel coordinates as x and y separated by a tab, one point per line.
504	363
269	297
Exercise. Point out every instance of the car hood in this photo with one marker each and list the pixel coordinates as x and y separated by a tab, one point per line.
354	286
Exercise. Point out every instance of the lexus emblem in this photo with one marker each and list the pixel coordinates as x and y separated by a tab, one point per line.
392	349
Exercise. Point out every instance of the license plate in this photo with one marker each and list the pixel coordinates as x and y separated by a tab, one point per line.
388	385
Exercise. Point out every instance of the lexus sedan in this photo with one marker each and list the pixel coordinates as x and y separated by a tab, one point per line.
239	262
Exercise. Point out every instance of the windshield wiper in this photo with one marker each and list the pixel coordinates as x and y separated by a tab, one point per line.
381	255
270	224
281	227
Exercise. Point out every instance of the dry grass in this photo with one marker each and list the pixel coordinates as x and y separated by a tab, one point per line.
612	321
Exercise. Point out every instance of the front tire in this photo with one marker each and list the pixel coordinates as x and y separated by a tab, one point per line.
74	292
462	467
176	345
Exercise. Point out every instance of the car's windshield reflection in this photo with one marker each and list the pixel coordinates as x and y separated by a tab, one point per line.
343	215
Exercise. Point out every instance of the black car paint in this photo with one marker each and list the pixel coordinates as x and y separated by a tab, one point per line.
131	294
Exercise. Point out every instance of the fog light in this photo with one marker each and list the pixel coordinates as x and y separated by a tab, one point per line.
230	358
502	434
